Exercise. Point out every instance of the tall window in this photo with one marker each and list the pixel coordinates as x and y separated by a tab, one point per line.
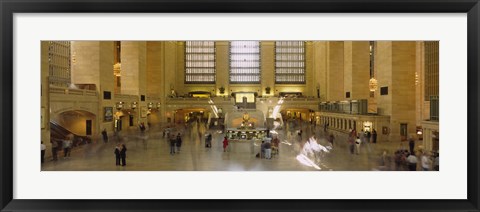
199	62
59	63
245	62
290	62
431	69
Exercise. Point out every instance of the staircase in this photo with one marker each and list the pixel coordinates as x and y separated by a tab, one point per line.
57	133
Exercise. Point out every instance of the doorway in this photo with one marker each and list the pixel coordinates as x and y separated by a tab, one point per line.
130	120
88	125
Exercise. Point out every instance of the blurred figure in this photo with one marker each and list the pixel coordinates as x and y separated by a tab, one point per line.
225	144
368	135
384	162
436	162
179	142
331	138
374	136
42	151
54	149
117	155
358	142
105	135
268	150
275	145
172	144
67	145
411	144
412	162
426	161
351	144
262	150
123	155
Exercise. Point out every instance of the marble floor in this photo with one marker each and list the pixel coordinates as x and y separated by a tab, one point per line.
151	152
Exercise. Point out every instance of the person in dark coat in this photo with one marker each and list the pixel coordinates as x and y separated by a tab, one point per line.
105	136
172	144
331	138
374	136
411	144
117	155
179	142
123	154
54	149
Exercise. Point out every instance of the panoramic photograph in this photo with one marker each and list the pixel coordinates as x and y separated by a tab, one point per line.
239	105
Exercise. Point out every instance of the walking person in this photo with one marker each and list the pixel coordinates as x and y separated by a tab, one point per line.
374	136
358	142
426	161
351	145
123	155
66	147
331	138
411	144
54	149
42	151
412	162
117	155
105	135
436	162
172	144
368	135
268	150
225	144
179	142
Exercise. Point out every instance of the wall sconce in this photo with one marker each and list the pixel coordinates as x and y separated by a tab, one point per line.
158	105
134	105
150	105
119	105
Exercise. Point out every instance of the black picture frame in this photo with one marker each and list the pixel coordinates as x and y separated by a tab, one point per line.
10	7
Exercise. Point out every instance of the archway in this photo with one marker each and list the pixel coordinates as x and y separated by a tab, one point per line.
78	122
188	115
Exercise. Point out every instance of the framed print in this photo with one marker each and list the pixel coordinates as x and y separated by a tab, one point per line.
108	114
265	106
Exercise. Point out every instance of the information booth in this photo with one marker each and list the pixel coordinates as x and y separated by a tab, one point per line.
244	129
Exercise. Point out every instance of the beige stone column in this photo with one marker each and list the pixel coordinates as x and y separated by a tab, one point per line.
154	68
310	85
396	65
403	88
93	64
267	59
134	74
357	69
107	79
154	81
180	68
383	65
169	74
320	68
222	66
335	72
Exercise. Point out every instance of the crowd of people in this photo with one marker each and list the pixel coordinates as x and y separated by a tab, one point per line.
357	143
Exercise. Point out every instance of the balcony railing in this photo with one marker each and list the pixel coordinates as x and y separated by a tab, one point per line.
348	107
69	91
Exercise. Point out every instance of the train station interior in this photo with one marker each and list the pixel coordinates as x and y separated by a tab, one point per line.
232	105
